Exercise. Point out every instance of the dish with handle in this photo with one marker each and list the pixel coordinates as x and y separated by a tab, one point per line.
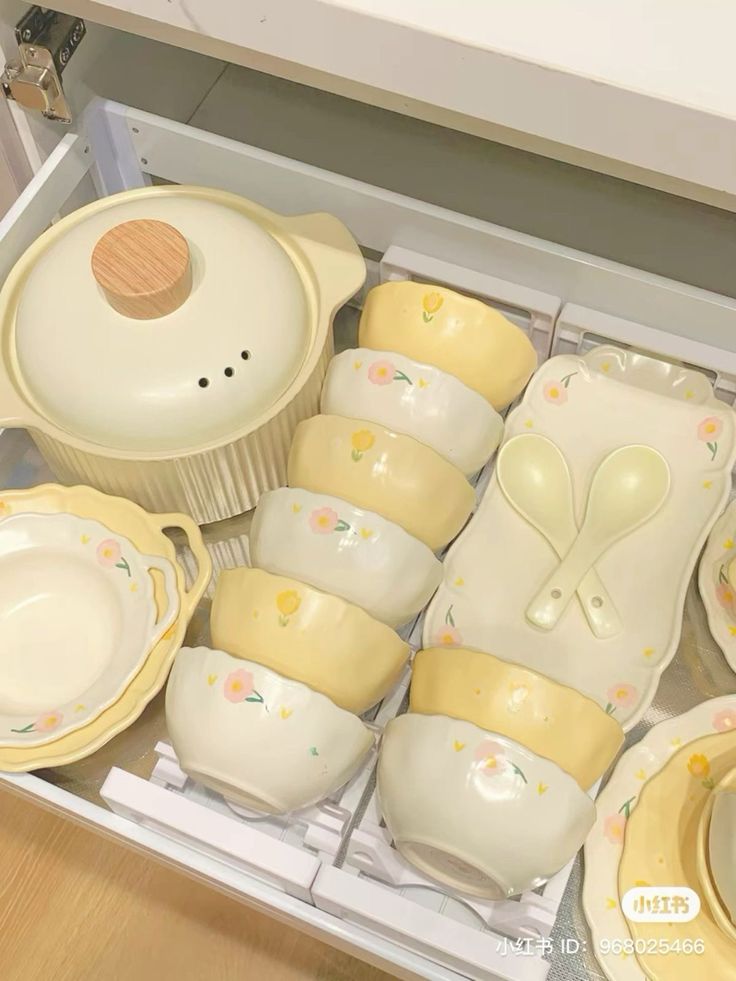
146	532
77	619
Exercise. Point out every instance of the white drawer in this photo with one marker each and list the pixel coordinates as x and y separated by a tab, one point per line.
331	872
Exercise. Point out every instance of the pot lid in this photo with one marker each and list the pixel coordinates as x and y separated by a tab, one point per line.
161	321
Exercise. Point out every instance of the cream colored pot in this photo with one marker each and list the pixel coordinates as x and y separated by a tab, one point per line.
164	343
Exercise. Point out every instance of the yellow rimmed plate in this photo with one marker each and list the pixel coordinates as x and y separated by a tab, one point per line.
145	531
660	850
704	858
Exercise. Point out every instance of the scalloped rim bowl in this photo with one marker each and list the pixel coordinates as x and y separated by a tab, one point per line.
348	551
146	532
264	741
78	618
417	400
313	637
519	703
374	468
456	333
476	811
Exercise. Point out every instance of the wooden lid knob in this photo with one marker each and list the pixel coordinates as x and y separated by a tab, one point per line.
143	267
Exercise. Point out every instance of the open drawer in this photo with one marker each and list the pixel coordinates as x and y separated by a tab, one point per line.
331	871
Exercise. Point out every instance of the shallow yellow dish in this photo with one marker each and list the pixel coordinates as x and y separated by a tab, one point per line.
550	719
313	637
708	887
659	850
396	476
145	531
460	335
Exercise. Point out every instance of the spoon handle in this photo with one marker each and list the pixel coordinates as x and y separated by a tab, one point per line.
553	598
600	612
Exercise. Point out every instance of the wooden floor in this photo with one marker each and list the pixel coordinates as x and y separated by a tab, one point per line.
76	907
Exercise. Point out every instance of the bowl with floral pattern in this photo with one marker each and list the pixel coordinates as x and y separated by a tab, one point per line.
417	400
303	633
389	473
265	742
459	334
345	550
476	811
77	620
524	705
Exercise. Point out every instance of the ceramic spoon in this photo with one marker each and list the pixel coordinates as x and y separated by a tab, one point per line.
533	475
628	489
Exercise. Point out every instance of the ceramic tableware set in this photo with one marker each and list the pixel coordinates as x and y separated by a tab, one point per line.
561	603
196	337
307	637
190	377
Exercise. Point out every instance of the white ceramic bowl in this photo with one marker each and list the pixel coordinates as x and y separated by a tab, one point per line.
261	740
345	550
416	399
722	848
476	811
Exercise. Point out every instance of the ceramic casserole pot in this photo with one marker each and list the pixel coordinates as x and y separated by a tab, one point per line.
193	336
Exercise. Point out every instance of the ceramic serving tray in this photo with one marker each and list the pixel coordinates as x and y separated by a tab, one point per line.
77	619
718	595
612	940
145	532
590	406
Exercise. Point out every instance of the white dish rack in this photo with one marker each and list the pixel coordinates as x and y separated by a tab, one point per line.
331	870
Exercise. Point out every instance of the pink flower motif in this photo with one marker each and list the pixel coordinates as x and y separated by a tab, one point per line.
108	552
447	636
621	695
491	755
710	429
323	520
555	392
238	685
614	828
725	595
48	722
381	373
725	720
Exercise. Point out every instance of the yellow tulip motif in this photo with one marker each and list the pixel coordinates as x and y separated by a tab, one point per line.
288	602
361	442
431	303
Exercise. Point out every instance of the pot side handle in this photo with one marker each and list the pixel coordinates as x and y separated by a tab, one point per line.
333	254
15	411
192	596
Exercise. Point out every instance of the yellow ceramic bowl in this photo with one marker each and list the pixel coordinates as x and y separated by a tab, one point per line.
313	637
396	476
550	719
460	335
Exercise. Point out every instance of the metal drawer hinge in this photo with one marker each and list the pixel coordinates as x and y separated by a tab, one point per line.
46	42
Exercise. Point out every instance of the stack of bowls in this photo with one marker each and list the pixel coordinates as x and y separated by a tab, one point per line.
483	783
345	555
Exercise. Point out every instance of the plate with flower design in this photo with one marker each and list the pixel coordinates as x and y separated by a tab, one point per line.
613	941
590	406
78	618
716	591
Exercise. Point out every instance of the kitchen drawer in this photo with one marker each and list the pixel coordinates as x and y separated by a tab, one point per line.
331	871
